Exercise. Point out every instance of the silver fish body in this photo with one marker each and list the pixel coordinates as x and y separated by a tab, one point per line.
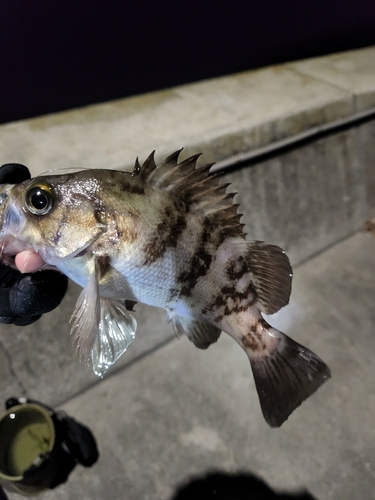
168	236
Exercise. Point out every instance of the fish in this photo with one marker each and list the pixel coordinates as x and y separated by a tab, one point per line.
167	235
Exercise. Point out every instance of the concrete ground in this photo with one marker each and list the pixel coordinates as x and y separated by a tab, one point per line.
180	413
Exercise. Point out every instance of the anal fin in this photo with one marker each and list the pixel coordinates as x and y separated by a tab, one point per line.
201	334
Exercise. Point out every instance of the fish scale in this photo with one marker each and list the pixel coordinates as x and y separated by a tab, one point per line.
168	235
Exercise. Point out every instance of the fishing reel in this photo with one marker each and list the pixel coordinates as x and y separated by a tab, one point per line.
40	447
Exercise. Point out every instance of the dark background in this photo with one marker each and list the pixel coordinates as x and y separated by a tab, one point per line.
61	54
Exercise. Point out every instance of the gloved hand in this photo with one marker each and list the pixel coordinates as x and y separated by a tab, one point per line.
25	297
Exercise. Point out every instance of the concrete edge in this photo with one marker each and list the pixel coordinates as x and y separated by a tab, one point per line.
222	117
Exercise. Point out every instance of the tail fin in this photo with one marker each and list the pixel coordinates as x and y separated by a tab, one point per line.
285	374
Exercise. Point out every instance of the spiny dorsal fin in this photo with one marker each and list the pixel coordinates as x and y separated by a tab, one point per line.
196	187
137	168
148	166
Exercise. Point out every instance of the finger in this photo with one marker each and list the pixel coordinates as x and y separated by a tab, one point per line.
29	261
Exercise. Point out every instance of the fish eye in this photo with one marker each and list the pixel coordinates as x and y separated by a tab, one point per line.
39	200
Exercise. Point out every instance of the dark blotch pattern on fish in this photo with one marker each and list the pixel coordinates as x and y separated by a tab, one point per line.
236	268
254	339
124	183
128	233
231	301
131	188
166	236
201	260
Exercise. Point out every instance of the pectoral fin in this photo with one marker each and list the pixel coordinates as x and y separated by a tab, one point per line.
86	318
102	328
116	332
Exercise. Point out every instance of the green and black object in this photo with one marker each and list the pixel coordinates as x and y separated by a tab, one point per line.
40	447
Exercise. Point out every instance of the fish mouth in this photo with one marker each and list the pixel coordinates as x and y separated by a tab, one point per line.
11	223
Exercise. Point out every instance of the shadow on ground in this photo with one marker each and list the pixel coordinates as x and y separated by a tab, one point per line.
243	486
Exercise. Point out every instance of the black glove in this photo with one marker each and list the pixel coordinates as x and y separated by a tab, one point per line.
2	494
25	297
